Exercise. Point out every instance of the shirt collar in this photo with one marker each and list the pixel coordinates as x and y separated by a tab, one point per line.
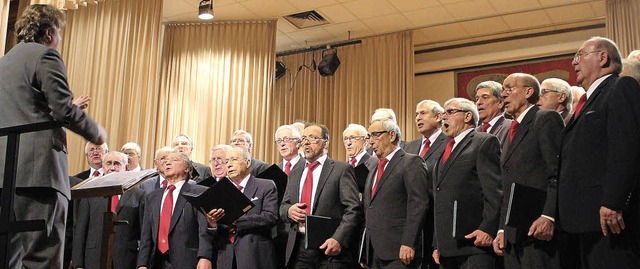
595	85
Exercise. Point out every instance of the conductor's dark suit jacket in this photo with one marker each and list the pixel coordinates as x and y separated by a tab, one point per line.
470	176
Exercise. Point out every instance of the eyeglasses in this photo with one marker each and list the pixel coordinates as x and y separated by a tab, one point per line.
286	140
216	160
580	54
238	141
311	139
509	89
452	111
376	135
132	154
228	160
352	138
545	91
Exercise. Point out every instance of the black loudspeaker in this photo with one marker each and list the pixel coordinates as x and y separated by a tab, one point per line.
280	69
329	63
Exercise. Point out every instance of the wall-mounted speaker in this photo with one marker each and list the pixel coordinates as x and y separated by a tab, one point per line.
329	63
280	69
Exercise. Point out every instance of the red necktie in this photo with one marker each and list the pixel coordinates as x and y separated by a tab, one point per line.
232	228
96	173
447	150
114	202
513	129
165	220
381	165
307	188
287	168
425	148
164	184
579	106
353	161
485	127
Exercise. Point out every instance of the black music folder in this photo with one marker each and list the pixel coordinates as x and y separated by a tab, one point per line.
525	206
279	178
365	255
225	195
467	217
361	173
208	182
318	229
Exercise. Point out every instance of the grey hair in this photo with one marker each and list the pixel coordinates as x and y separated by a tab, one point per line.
123	157
466	104
603	43
562	87
356	127
104	146
246	134
435	107
529	81
245	154
495	87
186	161
221	147
391	126
133	146
631	69
382	114
165	149
185	136
295	132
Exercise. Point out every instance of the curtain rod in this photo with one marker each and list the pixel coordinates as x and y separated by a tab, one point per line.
172	23
319	47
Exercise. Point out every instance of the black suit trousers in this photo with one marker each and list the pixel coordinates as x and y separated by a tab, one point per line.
594	251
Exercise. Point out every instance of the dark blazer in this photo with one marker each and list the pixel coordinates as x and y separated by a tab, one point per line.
84	174
600	157
200	172
370	161
531	159
258	166
500	129
150	184
87	230
336	197
252	247
394	215
471	175
188	236
34	89
434	152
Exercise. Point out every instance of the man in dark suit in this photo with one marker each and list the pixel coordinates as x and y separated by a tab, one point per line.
530	158
598	190
556	94
94	154
247	243
355	139
430	147
491	109
174	232
466	189
183	144
243	139
87	230
322	187
218	167
158	181
395	201
34	89
287	139
134	152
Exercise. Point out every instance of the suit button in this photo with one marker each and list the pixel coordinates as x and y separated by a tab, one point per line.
370	207
437	189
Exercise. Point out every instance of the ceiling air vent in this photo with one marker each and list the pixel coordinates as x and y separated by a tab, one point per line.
306	19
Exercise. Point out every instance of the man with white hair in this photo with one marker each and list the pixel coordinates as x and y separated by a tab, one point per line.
183	144
243	139
555	94
94	154
158	181
87	232
288	143
355	140
133	151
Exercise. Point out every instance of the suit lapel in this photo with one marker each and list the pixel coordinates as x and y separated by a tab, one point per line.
590	101
123	199
250	189
521	132
388	170
155	211
454	154
441	139
177	209
495	127
295	177
327	168
364	158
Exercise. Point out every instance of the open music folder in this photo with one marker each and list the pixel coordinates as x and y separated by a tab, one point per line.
225	195
111	184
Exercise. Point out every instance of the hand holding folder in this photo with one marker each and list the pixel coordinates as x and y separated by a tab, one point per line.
318	229
222	195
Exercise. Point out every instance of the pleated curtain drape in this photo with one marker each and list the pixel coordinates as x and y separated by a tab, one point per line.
623	24
374	74
4	20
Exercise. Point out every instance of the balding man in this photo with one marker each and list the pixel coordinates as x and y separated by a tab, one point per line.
87	232
93	154
158	181
133	151
183	144
491	110
243	139
598	190
555	94
530	158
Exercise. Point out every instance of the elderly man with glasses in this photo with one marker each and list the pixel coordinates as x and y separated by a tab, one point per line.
556	94
598	179
355	139
242	139
183	144
322	187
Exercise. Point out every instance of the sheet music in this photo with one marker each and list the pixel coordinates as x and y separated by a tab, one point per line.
125	179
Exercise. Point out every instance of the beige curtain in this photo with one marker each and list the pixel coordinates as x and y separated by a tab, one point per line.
217	78
67	4
4	24
376	73
111	51
623	24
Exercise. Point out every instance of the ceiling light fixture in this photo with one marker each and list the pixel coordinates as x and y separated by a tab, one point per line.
205	10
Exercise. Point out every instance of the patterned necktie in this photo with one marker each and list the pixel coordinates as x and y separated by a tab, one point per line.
165	220
513	129
579	106
381	166
485	127
353	162
114	202
96	173
232	228
424	150
307	188
447	150
287	168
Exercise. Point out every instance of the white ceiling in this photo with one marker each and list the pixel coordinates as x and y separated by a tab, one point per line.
437	22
